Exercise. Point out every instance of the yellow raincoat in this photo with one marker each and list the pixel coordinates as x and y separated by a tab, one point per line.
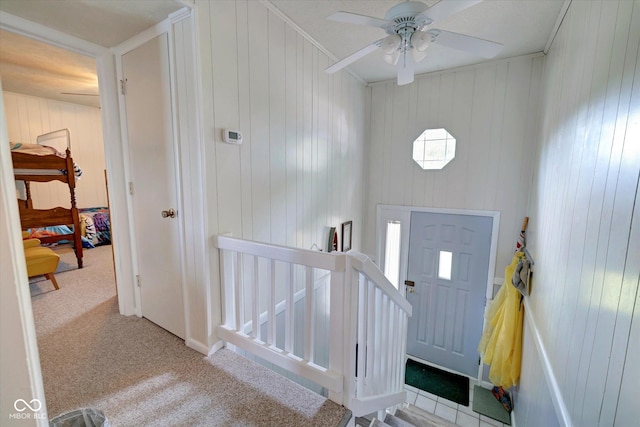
501	343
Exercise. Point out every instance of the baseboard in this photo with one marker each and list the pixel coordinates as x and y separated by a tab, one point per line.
215	347
197	346
562	413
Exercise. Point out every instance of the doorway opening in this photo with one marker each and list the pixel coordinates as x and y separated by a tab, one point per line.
444	263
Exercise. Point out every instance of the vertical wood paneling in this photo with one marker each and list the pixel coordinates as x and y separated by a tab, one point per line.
28	117
488	109
299	169
582	204
226	105
291	130
277	146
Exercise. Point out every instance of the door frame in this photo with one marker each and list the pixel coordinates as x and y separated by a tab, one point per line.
122	49
197	270
402	214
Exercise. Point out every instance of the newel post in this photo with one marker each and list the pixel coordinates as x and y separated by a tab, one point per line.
227	273
339	319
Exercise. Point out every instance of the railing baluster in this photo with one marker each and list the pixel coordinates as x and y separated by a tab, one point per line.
363	310
385	343
339	324
255	312
310	315
239	302
371	338
228	275
289	317
393	344
271	332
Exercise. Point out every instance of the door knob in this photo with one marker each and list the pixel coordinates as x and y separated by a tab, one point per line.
169	214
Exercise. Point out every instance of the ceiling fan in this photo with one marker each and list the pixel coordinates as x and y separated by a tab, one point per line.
409	35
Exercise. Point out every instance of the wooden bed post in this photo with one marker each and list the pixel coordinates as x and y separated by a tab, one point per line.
77	237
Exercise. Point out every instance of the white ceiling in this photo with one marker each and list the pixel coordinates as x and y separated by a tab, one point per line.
522	26
34	68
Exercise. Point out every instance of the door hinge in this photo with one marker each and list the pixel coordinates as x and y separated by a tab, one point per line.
131	188
123	86
138	281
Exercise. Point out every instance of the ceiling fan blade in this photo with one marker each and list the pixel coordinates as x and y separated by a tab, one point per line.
353	57
445	8
354	18
405	69
480	47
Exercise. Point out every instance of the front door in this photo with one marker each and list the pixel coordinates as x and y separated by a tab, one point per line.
449	264
154	182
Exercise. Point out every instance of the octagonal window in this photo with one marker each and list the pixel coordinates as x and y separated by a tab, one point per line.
434	148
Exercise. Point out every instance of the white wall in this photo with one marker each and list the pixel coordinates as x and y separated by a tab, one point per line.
29	116
299	168
587	164
492	111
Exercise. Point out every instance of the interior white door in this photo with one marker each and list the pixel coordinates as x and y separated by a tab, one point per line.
150	135
448	263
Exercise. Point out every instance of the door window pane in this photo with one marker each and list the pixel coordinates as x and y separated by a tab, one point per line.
444	265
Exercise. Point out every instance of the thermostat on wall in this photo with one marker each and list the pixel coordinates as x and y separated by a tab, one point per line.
232	136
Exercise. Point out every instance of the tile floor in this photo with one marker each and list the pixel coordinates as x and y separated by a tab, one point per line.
451	411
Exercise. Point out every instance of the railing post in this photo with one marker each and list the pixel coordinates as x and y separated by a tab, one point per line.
339	323
228	276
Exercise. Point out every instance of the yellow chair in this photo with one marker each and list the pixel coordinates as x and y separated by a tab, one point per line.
41	261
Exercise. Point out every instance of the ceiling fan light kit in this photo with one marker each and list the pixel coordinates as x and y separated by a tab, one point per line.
409	39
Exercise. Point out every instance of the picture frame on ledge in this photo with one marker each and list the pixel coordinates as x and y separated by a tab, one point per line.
332	241
347	230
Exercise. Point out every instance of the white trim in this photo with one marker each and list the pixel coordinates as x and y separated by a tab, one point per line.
200	347
118	51
141	38
163	28
14	274
201	247
324	260
554	388
556	26
303	33
48	35
463	68
219	345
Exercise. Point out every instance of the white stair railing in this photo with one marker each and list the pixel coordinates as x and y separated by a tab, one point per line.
332	318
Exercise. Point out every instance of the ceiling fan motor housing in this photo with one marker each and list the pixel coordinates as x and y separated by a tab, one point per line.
404	16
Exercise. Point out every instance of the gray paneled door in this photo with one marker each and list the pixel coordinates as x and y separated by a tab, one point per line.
449	264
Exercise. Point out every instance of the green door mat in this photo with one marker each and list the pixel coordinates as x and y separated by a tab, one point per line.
444	384
486	404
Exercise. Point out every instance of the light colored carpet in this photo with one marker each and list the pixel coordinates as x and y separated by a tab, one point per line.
139	374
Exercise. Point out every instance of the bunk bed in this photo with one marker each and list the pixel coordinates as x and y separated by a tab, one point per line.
42	163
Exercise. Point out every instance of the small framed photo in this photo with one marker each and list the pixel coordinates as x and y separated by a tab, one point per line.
346	235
